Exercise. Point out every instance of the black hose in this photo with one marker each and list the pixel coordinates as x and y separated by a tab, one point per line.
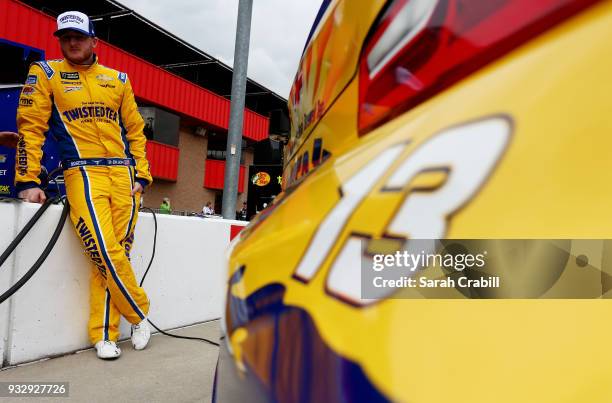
145	275
44	254
154	244
25	231
182	337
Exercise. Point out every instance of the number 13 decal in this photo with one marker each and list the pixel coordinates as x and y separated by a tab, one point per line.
466	154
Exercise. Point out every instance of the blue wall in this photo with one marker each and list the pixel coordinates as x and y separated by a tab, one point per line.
9	97
9	100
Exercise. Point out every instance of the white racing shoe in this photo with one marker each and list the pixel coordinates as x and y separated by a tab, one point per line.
141	333
107	350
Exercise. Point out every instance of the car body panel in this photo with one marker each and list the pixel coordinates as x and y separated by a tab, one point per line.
550	181
328	64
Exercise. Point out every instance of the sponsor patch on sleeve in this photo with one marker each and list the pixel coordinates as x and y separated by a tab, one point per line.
122	77
48	70
31	80
28	90
25	102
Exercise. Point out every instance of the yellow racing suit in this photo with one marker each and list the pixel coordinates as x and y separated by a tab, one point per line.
92	114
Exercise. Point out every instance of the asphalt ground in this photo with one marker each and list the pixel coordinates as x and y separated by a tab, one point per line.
168	370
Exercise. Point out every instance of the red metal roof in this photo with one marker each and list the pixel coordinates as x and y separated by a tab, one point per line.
23	24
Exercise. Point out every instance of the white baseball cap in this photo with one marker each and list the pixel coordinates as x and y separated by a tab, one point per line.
74	21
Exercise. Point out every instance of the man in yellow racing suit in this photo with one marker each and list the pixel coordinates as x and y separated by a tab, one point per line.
91	112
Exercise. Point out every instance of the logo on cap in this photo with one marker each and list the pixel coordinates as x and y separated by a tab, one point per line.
75	21
71	18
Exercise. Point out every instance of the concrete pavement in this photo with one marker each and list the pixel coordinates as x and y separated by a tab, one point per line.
168	370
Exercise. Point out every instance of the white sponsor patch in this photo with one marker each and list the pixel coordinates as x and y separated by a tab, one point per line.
70	88
104	77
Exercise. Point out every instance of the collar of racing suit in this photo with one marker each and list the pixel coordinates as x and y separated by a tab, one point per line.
83	67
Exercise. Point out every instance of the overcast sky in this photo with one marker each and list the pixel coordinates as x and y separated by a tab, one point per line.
279	29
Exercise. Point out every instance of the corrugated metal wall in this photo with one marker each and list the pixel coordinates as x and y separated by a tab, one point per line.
214	175
23	24
163	159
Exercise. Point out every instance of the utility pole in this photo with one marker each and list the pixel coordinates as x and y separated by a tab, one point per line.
234	138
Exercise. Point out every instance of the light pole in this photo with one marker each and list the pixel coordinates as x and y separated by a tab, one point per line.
234	138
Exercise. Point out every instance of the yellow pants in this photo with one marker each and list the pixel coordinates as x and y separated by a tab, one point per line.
104	215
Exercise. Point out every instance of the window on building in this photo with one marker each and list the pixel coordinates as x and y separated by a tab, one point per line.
217	145
160	125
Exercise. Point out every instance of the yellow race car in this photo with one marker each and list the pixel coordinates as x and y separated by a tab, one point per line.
432	119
